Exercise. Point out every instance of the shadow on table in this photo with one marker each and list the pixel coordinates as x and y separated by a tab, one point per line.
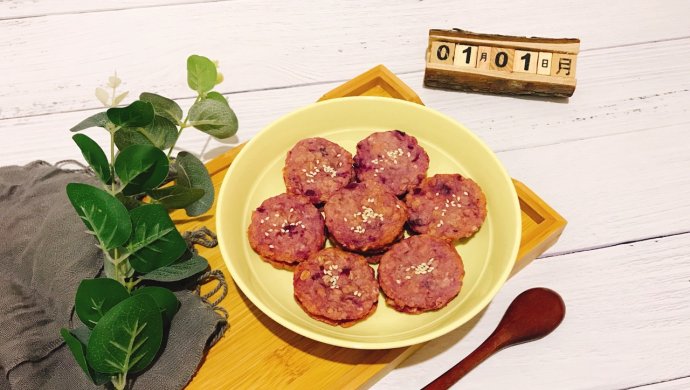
444	342
227	144
550	99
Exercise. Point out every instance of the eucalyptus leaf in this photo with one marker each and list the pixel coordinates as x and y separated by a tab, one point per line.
213	118
128	136
213	95
103	96
151	178
161	133
119	98
102	214
96	120
95	156
95	297
189	265
141	168
137	114
167	301
127	338
201	73
192	173
78	348
176	197
163	106
78	351
155	241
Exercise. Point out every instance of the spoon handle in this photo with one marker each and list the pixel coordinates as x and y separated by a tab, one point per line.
492	344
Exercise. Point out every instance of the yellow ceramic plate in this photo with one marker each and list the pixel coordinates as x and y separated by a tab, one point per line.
256	174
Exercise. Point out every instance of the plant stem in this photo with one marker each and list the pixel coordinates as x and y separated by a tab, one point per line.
117	266
112	161
119	382
112	146
131	283
183	125
121	268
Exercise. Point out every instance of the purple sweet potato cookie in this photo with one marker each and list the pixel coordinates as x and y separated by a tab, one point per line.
391	158
446	205
286	229
365	217
336	287
420	273
316	168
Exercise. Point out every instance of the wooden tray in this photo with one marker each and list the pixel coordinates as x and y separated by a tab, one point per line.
257	352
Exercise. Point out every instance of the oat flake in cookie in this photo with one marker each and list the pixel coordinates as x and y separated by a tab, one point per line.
336	287
365	217
316	168
421	273
448	206
393	159
286	229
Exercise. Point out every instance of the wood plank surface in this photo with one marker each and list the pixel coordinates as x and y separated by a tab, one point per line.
612	189
668	384
290	45
606	103
18	9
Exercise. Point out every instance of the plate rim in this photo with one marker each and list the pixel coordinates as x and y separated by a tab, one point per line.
454	324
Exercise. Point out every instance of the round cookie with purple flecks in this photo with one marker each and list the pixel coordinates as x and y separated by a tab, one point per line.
391	158
420	273
365	218
336	287
286	229
449	206
316	168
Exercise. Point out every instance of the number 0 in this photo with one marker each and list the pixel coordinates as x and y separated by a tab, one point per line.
501	59
443	52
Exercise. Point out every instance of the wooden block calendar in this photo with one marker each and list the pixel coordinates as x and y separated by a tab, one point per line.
467	61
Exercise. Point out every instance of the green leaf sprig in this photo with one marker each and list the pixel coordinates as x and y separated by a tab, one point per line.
128	215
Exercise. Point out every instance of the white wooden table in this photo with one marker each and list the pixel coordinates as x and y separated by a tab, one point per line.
614	159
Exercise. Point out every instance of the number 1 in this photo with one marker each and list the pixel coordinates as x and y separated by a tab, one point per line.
526	57
468	52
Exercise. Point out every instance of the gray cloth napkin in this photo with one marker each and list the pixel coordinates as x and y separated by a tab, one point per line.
44	253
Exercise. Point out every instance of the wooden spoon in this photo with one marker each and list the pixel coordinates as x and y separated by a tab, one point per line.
532	315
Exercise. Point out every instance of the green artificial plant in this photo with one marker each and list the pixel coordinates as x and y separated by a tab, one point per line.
140	181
